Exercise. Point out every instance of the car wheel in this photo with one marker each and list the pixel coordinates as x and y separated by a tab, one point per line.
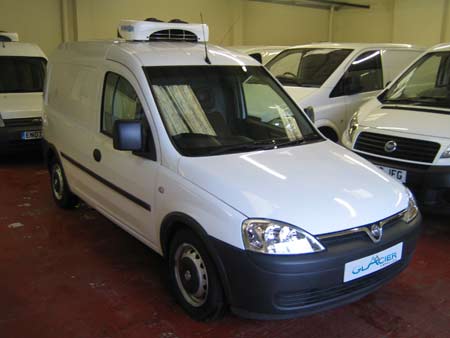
60	189
194	279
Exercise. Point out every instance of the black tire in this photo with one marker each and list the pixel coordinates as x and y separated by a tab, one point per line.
194	279
60	189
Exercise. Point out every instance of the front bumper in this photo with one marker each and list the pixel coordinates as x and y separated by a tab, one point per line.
11	136
276	287
430	184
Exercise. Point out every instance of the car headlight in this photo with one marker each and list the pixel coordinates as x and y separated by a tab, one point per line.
412	210
273	237
446	153
2	124
353	125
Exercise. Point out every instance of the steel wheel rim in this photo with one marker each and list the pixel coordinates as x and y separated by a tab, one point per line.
190	268
57	182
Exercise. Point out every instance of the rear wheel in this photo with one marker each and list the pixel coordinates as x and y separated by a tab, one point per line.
194	279
60	189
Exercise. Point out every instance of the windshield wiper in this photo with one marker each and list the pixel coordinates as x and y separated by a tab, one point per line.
298	141
244	147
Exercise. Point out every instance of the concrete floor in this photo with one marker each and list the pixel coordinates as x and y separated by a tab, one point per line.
75	274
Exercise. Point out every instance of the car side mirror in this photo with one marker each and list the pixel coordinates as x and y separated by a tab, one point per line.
309	111
128	135
257	57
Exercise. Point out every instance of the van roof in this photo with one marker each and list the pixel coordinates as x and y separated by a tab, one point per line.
20	49
152	53
354	45
442	47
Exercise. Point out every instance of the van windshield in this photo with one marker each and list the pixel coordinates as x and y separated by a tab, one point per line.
211	110
426	83
306	67
21	74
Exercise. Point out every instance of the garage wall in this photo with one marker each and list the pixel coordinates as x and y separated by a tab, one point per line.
271	24
99	19
419	21
362	25
35	21
404	21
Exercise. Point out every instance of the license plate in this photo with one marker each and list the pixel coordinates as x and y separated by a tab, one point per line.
31	135
398	174
370	264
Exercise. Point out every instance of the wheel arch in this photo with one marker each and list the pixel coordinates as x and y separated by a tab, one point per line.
176	221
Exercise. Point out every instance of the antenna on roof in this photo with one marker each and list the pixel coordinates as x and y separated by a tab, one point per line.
207	60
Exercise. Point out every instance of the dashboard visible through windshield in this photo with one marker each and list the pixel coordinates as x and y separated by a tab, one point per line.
212	110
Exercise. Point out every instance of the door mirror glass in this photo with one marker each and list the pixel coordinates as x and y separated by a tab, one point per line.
128	135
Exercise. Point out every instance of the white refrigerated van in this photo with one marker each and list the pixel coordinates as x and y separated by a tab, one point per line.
336	78
200	154
22	72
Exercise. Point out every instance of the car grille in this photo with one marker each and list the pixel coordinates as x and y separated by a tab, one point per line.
314	296
23	122
407	148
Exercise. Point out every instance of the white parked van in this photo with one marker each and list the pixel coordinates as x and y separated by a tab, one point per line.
202	155
336	78
22	71
406	129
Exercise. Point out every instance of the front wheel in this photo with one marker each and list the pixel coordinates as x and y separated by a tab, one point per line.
60	189
194	279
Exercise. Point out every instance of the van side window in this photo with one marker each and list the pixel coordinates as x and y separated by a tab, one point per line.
365	74
120	102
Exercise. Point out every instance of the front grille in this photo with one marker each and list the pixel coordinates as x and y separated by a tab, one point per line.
173	35
407	148
23	122
314	296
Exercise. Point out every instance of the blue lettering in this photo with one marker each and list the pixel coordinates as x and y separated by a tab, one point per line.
375	260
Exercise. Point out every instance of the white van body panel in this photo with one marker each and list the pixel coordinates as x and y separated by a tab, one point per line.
335	112
285	195
267	52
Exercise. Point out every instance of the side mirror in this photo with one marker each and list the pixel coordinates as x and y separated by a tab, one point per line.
257	57
128	135
309	111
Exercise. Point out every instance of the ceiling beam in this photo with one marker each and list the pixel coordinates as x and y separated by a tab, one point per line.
322	4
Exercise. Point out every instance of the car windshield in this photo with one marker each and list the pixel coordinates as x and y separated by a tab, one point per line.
211	110
21	74
426	83
306	67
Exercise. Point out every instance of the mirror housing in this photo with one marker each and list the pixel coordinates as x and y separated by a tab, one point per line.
309	111
128	135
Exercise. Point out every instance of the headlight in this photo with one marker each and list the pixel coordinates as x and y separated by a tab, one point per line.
2	124
353	125
412	210
446	153
273	237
